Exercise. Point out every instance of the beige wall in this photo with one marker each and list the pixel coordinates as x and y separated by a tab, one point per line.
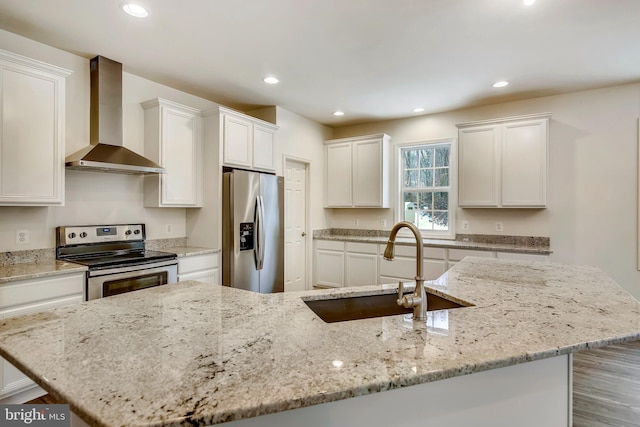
593	173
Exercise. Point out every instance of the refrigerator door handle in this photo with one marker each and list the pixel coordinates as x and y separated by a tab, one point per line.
260	232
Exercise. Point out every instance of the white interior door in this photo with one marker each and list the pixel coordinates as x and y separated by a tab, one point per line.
295	220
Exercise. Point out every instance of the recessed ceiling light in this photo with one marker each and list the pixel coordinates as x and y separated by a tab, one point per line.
270	80
529	2
418	110
135	10
500	84
338	113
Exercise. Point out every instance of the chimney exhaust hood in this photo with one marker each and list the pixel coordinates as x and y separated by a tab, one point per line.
106	152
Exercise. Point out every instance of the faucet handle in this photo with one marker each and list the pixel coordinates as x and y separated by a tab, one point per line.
400	293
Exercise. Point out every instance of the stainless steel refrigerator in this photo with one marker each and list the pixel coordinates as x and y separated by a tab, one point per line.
253	231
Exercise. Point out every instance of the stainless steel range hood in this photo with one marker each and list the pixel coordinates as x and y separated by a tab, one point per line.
106	152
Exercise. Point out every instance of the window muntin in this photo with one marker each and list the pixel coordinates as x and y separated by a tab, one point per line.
425	190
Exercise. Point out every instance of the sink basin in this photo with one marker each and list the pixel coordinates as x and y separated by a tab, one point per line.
365	307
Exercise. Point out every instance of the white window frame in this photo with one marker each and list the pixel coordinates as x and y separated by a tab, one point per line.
453	186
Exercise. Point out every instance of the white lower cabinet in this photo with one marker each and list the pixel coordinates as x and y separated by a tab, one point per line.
204	268
361	267
30	296
341	264
328	264
403	266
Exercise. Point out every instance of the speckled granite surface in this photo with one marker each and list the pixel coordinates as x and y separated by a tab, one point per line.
163	244
187	251
33	270
195	354
483	242
21	257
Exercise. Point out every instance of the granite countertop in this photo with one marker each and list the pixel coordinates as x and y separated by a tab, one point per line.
34	270
187	251
196	354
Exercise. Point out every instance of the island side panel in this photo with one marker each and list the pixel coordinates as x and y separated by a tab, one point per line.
531	394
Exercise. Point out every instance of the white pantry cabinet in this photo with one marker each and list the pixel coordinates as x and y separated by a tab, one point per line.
173	139
33	132
247	142
204	268
30	296
357	172
503	162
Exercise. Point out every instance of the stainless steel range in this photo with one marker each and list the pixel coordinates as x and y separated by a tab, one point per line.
116	258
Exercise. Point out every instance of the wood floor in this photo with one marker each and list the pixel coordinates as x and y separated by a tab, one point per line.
606	387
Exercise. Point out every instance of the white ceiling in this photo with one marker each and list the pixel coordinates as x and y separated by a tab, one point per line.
373	59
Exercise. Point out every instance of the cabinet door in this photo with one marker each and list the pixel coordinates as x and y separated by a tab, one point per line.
338	175
329	268
32	132
31	296
524	164
181	156
368	174
479	163
361	261
263	148
238	135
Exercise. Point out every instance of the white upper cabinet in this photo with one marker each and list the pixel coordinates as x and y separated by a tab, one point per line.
247	142
173	139
32	114
503	162
357	172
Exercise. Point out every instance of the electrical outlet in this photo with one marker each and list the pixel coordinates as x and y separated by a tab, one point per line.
169	228
22	237
465	225
356	221
499	226
383	222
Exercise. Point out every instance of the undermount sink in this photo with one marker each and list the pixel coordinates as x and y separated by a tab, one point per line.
369	306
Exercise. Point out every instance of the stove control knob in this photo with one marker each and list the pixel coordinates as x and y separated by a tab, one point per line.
136	231
71	235
83	235
127	233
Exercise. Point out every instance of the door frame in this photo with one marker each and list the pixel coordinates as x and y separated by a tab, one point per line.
307	212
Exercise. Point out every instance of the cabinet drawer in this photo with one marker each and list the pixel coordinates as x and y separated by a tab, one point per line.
197	263
330	245
363	248
34	291
458	254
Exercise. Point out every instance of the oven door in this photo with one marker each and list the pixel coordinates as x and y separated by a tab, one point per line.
118	280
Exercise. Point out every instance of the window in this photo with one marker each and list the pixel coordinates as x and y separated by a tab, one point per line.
426	196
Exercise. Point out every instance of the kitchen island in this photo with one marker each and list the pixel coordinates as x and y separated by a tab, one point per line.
196	354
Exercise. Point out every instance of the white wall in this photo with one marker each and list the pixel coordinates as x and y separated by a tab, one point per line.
593	192
302	138
93	198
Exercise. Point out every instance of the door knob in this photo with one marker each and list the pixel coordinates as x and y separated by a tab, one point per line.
304	234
